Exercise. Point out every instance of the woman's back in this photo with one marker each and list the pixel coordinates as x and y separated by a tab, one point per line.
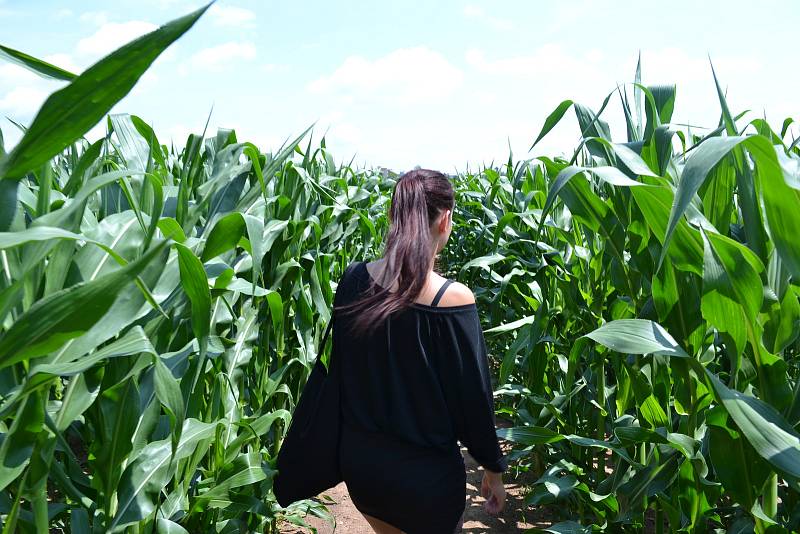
421	376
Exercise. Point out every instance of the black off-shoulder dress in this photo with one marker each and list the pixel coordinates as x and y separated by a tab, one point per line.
410	389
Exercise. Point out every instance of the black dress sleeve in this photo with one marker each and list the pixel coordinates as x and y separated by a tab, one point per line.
466	381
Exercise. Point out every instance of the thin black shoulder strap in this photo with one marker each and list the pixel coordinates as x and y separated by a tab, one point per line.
441	292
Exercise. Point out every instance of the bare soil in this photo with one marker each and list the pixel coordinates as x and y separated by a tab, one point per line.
515	517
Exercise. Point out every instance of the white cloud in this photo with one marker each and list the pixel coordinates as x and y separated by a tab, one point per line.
333	125
167	4
670	64
231	16
498	23
64	61
548	59
111	36
406	74
218	57
22	101
473	12
177	134
13	75
98	18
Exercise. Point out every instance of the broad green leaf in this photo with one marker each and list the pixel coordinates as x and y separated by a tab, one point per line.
540	435
686	249
171	229
653	413
81	392
610	175
132	146
565	527
732	291
224	236
735	462
255	232
708	155
484	262
255	430
135	341
116	421
40	67
783	327
121	233
67	314
195	284
246	469
165	526
8	203
718	194
144	479
552	120
697	169
513	325
636	336
529	435
630	435
781	194
663	104
585	205
168	392
629	158
18	442
764	428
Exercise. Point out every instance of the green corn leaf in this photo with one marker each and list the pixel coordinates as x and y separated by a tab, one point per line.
8	203
165	526
224	236
67	314
18	442
145	478
780	188
636	336
552	120
135	341
40	67
763	427
168	392
697	169
195	284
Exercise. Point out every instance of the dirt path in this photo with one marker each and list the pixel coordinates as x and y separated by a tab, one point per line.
516	517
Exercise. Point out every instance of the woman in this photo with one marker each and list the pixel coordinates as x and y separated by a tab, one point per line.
415	375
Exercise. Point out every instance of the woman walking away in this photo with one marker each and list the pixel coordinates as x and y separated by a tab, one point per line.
415	376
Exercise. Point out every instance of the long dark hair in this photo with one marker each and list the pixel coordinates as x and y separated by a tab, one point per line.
419	196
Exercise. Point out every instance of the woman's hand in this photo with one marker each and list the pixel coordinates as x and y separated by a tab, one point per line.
493	491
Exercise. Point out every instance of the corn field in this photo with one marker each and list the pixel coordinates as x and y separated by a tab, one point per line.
161	307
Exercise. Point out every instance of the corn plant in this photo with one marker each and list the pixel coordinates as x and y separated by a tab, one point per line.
645	314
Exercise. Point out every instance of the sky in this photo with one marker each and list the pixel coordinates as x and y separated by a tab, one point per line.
444	84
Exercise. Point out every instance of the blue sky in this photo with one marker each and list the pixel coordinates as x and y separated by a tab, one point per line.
444	84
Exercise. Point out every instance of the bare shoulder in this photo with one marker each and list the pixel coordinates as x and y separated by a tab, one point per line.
457	295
